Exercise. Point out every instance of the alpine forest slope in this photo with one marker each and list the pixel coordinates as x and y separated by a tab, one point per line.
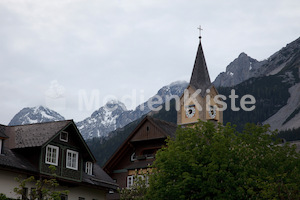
276	90
37	114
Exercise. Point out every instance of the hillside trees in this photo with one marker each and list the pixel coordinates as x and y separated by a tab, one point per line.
209	162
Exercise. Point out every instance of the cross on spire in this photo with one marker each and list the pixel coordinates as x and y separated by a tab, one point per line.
200	29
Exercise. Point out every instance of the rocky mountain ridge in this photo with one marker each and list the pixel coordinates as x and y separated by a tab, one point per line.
244	67
37	114
239	70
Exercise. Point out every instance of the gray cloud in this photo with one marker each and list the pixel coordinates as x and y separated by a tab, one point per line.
120	46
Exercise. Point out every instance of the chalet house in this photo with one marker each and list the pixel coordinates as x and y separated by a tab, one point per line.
138	151
29	150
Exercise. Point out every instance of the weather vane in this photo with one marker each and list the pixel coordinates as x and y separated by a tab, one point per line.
200	29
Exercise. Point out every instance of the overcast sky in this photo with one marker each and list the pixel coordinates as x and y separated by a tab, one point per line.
65	53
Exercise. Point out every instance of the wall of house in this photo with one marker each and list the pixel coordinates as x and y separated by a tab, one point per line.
85	192
121	178
8	183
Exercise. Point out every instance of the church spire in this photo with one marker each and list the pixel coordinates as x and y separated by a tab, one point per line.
200	77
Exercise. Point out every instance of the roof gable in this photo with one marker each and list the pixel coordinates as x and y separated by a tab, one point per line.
149	130
75	137
164	129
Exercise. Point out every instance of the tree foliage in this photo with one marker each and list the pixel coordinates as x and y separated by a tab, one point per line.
217	162
44	188
3	197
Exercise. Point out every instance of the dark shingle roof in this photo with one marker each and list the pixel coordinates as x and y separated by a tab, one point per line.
12	160
200	77
99	178
34	135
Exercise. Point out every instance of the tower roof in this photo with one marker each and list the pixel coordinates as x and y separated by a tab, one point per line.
200	77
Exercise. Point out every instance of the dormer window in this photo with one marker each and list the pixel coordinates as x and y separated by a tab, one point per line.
52	155
64	136
89	168
72	159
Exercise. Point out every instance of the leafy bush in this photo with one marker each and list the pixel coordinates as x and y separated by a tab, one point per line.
217	162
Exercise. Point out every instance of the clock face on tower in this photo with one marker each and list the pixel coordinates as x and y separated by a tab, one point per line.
190	111
212	112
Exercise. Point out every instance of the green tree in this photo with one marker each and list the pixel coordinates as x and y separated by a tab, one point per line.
44	188
217	162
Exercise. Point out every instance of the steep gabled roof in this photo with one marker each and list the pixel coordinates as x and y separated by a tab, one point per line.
167	128
200	77
35	135
38	135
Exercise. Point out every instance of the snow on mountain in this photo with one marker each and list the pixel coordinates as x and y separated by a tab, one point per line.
103	120
115	115
35	115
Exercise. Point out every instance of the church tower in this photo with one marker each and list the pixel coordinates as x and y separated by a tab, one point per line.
199	100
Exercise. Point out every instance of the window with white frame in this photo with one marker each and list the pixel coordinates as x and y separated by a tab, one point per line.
72	160
130	180
52	155
89	168
64	136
